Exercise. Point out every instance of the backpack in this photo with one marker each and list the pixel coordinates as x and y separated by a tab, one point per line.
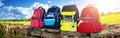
52	18
37	18
69	16
90	20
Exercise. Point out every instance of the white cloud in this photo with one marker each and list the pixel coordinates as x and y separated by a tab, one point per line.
23	10
27	11
105	5
37	4
102	5
31	9
1	4
9	8
72	2
49	1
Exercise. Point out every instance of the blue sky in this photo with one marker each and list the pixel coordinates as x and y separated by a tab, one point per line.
23	9
27	3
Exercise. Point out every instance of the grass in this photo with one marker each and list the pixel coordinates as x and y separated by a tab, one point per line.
16	22
110	19
107	19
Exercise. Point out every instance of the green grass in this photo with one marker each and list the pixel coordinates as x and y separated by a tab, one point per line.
107	19
110	19
16	22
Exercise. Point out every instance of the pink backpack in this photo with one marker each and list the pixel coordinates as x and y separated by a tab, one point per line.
36	20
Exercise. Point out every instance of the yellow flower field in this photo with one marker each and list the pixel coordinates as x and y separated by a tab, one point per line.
110	19
107	19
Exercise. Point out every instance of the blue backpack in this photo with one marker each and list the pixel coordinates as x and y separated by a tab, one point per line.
52	18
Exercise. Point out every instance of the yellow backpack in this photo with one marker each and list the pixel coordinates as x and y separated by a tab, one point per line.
68	23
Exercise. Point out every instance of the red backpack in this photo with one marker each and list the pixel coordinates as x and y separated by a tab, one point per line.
90	21
37	18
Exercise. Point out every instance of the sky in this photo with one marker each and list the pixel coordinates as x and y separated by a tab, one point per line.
23	9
